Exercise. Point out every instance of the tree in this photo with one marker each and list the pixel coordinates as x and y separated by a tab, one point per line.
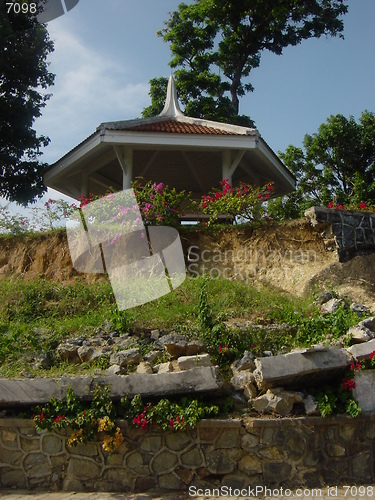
216	43
24	47
337	163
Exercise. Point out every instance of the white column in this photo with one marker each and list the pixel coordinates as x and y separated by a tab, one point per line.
125	158
85	184
127	173
226	171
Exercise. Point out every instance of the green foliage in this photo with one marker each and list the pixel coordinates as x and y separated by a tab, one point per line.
317	326
243	202
158	204
86	421
166	414
335	399
336	164
204	311
216	44
24	75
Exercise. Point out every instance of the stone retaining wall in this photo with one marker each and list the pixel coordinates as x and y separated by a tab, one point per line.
290	452
352	230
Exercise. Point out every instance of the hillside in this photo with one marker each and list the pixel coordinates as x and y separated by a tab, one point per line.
291	256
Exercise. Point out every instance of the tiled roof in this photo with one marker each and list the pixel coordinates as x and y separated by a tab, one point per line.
179	127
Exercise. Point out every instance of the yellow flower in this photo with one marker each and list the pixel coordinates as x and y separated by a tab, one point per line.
105	424
112	442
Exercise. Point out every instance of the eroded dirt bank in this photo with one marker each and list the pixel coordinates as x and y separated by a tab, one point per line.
292	256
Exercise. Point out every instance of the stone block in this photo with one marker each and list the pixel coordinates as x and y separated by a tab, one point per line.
249	442
164	462
124	358
229	438
144	367
82	469
296	368
165	367
362	351
36	465
218	463
363	331
242	378
364	391
52	444
37	391
276	472
276	400
245	363
189	362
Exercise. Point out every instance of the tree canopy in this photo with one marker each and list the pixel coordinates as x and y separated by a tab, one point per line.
216	43
337	163
24	75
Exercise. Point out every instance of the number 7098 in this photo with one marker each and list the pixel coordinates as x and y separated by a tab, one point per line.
24	7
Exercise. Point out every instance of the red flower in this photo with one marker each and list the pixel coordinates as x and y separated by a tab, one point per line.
270	187
348	384
363	206
372	355
203	224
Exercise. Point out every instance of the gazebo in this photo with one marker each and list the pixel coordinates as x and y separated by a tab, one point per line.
186	153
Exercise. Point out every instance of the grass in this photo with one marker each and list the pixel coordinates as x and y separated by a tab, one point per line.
36	315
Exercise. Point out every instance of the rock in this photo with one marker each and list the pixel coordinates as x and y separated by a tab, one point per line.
144	367
362	351
297	368
324	297
242	379
155	334
311	405
250	391
363	332
276	401
364	392
69	352
125	358
359	309
245	363
15	392
115	370
43	361
165	367
177	345
189	362
86	353
333	305
154	356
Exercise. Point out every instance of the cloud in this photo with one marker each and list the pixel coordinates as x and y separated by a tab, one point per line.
90	88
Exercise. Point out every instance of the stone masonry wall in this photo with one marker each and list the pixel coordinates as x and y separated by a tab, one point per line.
290	452
352	230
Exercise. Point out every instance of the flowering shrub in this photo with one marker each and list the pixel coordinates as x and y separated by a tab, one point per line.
86	424
166	415
244	202
340	399
361	207
160	205
39	219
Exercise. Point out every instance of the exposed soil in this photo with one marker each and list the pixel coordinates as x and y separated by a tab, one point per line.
292	256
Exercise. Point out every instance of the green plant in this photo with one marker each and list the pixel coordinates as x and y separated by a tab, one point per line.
160	205
243	202
85	423
166	414
205	317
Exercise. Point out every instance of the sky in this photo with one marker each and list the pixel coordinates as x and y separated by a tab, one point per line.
106	51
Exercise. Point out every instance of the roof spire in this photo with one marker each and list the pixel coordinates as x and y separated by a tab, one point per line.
171	106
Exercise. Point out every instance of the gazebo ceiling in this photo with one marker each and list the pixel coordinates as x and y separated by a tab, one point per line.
186	153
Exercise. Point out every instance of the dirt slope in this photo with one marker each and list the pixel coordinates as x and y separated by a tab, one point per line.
291	256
